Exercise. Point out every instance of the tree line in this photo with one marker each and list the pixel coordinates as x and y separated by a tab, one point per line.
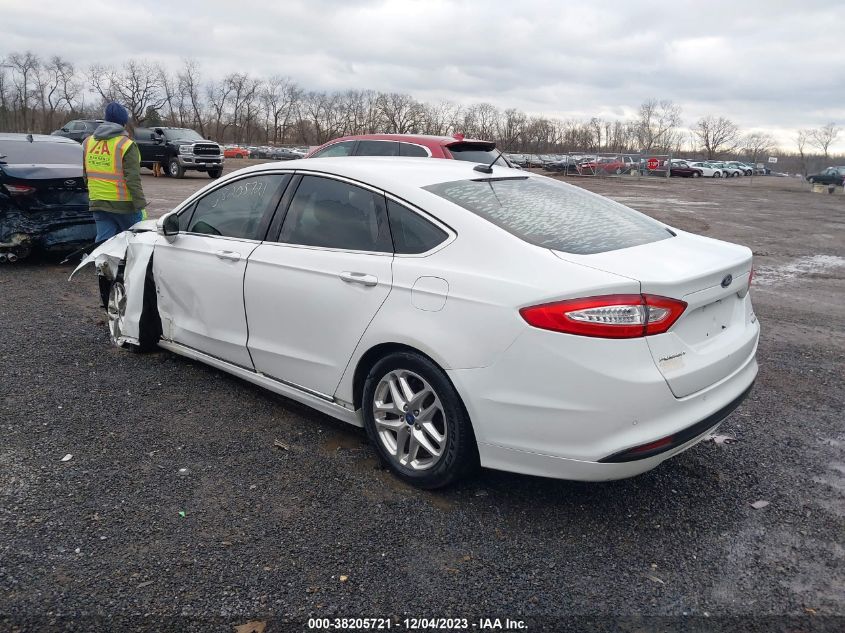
39	94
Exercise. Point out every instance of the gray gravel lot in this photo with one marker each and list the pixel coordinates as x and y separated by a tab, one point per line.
176	511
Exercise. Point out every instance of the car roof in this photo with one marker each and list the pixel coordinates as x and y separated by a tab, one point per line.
36	138
389	172
421	139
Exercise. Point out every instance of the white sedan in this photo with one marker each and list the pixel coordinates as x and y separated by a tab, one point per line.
707	170
461	314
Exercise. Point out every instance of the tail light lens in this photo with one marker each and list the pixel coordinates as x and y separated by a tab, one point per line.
608	316
20	190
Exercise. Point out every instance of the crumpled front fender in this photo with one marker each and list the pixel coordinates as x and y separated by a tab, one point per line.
107	257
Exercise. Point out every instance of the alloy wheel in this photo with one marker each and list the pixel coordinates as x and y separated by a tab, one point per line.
410	420
116	310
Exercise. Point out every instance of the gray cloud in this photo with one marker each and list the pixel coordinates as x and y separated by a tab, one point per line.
774	66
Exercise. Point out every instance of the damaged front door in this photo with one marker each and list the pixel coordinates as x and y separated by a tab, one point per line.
199	273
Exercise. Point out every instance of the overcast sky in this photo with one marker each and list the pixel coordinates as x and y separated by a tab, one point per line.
771	65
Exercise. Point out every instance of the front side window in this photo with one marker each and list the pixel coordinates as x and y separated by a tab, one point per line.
238	208
338	149
411	232
553	215
333	214
377	148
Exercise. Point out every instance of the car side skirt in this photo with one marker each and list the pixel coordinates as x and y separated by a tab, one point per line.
324	404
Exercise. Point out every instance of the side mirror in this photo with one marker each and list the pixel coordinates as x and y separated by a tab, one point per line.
64	129
168	225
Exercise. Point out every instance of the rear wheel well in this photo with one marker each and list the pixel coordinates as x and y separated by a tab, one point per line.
370	358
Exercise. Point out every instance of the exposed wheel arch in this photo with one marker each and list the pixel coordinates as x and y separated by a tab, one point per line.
374	355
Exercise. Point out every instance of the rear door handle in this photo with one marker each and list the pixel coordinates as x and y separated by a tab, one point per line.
359	278
232	256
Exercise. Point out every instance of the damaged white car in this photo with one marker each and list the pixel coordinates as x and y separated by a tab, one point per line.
462	314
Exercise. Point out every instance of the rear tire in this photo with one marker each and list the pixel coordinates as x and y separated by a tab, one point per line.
696	174
811	180
417	422
717	174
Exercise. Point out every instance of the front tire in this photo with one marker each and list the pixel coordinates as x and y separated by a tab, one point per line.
696	174
417	422
717	174
215	173
175	169
149	324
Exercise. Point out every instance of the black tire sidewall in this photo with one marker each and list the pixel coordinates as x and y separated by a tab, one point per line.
179	171
461	452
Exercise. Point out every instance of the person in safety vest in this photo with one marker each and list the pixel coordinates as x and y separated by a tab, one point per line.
111	166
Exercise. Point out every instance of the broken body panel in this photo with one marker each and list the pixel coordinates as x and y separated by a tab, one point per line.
126	255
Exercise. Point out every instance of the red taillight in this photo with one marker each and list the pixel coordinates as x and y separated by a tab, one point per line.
608	316
750	277
20	190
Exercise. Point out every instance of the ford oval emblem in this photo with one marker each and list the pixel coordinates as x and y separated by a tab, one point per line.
727	281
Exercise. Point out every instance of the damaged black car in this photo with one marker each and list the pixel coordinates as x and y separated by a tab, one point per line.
43	197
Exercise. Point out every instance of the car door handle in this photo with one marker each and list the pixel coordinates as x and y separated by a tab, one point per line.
232	256
359	278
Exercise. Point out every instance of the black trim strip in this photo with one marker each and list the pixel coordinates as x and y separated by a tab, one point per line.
681	437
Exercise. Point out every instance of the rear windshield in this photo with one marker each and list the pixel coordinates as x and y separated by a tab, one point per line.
474	152
553	215
40	153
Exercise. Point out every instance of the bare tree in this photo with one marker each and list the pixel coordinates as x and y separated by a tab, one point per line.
823	137
756	145
26	65
656	123
189	87
402	113
716	135
801	142
136	86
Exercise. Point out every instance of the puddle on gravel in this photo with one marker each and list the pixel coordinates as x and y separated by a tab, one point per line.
809	265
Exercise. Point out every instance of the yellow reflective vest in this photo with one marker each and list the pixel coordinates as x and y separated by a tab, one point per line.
104	167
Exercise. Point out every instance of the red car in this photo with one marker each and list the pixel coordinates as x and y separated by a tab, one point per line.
236	152
608	165
454	147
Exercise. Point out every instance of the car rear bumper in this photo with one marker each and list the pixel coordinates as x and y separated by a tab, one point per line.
565	410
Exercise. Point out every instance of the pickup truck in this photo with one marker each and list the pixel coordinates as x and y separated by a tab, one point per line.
178	150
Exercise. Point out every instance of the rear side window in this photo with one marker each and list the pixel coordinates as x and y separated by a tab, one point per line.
415	151
552	214
40	152
338	149
238	208
377	148
412	233
333	214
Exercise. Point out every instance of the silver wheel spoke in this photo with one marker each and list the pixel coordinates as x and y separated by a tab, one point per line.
433	433
401	441
413	448
407	392
422	440
396	394
392	425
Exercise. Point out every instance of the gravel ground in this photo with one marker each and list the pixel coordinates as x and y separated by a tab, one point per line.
176	511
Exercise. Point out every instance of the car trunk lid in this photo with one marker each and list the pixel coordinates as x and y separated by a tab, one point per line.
718	331
45	187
